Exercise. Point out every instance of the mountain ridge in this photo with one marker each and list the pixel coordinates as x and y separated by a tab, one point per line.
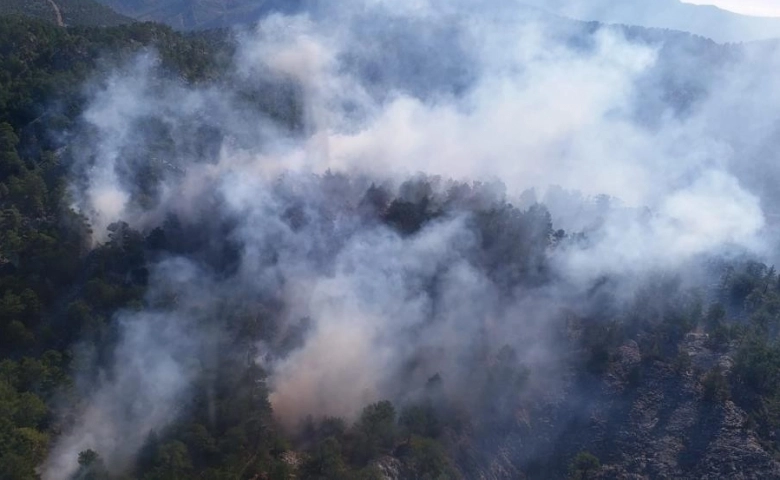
65	12
201	14
708	21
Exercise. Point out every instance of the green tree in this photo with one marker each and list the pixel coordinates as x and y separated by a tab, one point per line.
420	420
172	462
426	460
325	462
716	386
91	467
375	432
583	466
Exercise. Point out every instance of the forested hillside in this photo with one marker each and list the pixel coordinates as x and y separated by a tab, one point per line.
705	20
202	14
185	292
65	12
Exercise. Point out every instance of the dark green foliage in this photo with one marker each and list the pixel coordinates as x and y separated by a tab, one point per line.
172	462
54	289
598	360
24	415
634	376
375	432
414	207
746	319
421	420
325	461
376	437
407	217
756	364
716	324
201	13
428	460
91	467
515	242
43	244
682	363
599	339
584	466
23	449
42	64
71	12
716	387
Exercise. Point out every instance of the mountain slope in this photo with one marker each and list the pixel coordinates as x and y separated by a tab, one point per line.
635	384
199	14
712	22
708	21
65	12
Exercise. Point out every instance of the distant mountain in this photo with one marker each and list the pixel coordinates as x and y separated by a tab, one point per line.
708	21
200	14
712	22
65	12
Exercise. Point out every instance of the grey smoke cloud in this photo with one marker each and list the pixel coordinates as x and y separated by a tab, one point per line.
445	90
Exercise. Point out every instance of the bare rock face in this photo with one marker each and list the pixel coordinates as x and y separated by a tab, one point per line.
644	419
390	468
293	459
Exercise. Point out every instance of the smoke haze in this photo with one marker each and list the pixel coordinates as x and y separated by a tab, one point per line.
628	140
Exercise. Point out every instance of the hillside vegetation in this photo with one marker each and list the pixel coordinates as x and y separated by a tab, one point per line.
201	14
671	381
70	12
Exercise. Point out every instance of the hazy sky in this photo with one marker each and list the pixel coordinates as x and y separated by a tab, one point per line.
765	8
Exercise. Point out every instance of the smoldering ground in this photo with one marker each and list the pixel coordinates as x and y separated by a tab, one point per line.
378	243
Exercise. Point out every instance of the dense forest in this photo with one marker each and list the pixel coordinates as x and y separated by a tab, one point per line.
67	12
179	345
202	14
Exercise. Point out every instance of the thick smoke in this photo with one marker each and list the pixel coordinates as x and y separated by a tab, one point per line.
401	97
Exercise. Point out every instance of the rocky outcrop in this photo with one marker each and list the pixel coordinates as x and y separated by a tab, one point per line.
390	468
644	419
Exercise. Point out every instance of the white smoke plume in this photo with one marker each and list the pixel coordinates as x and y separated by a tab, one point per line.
390	90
